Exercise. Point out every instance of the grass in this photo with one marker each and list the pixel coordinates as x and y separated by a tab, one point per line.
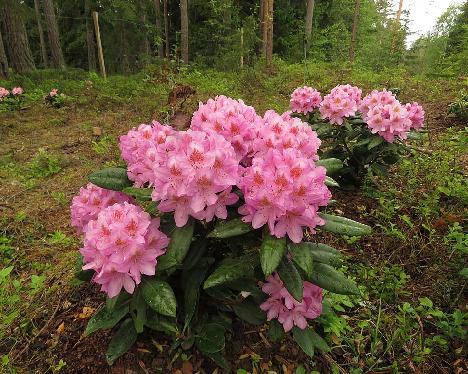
411	313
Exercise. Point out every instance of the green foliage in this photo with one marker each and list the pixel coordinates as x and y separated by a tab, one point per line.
44	164
459	108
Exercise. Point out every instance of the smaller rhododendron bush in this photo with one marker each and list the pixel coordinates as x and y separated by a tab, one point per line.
363	133
55	98
209	224
11	99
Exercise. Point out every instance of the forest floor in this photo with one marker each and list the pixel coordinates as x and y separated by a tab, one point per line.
412	312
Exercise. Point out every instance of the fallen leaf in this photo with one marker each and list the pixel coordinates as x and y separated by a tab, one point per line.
158	346
61	328
86	313
187	367
97	131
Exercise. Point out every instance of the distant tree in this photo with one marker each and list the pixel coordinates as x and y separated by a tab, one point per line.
352	48
184	43
158	23
3	59
267	30
308	21
166	29
16	39
54	36
37	8
90	40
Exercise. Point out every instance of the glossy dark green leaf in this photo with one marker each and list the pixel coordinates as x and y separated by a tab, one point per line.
227	229
250	312
179	245
191	284
331	164
332	280
143	194
159	296
111	178
220	360
211	338
345	226
330	182
122	341
161	323
229	270
376	141
105	319
308	340
318	251
196	252
302	256
275	331
291	278
271	252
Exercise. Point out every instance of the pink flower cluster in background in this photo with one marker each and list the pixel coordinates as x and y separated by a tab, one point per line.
305	99
90	202
16	91
3	93
341	102
120	245
284	189
230	118
387	117
290	312
54	92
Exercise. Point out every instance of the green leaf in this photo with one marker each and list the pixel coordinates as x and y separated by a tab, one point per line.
291	278
304	340
302	257
318	251
105	319
159	296
229	270
181	238
226	229
332	280
111	178
211	338
275	331
138	311
271	253
330	182
84	275
161	323
345	226
143	194
196	252
249	312
220	360
331	164
376	141
308	340
463	272
192	282
122	341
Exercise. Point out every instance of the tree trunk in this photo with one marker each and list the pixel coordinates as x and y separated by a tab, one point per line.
53	33
261	16
166	28
16	39
397	25
268	32
145	46
184	30
308	21
352	48
124	45
3	59
41	33
90	40
157	8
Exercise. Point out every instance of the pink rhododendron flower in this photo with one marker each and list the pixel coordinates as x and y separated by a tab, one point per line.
3	93
416	115
290	312
283	189
144	149
196	176
374	98
120	245
285	132
54	92
341	102
90	202
305	100
17	91
230	118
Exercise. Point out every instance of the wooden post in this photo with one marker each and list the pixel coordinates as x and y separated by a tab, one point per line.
99	45
242	47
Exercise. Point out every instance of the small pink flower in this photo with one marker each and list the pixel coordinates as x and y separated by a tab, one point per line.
290	312
305	100
341	102
3	93
17	91
54	92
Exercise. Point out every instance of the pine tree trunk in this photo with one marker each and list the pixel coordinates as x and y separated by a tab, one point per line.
157	11
308	21
3	59
166	28
352	47
184	30
41	33
16	39
124	45
145	46
90	40
264	25
397	25
269	33
53	33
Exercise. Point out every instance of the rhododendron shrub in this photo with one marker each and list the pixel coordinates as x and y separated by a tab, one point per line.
55	99
11	99
210	223
366	133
